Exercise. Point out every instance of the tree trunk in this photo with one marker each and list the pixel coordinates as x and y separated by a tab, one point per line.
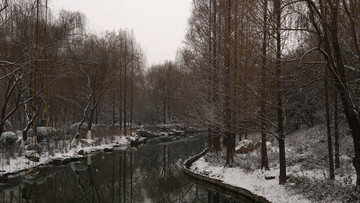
120	102
280	110
336	130
352	117
3	109
164	111
113	111
328	129
216	131
210	85
124	109
97	111
228	70
350	110
210	139
264	157
132	88
125	86
7	85
91	120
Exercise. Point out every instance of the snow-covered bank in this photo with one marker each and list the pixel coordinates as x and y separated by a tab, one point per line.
307	169
52	148
254	182
202	179
21	163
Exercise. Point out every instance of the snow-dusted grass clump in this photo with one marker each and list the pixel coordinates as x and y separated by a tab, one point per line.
323	190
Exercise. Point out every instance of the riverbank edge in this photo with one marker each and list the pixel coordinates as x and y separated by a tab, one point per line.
218	183
66	158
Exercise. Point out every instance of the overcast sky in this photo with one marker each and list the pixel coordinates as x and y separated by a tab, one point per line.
159	25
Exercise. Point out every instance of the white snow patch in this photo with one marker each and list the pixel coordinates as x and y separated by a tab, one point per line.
21	163
254	182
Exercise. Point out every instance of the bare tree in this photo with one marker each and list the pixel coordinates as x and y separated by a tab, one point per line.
328	127
264	159
324	17
280	108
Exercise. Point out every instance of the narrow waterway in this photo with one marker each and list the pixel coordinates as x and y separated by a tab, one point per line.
150	174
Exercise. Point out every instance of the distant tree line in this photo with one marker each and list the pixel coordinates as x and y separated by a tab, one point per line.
54	73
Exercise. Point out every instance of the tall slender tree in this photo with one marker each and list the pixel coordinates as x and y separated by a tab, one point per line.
280	108
328	127
264	158
328	34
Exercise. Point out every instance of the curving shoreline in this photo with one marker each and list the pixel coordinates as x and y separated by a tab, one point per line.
22	164
218	185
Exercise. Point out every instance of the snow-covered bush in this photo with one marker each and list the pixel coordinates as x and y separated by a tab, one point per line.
8	139
44	133
35	147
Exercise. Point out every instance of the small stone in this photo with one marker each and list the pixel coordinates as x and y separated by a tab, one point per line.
81	152
66	161
108	150
75	159
56	162
269	177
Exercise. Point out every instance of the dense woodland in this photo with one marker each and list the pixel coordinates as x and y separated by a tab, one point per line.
274	66
269	66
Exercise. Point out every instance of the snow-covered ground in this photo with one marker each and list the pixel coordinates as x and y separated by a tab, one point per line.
254	182
307	168
21	163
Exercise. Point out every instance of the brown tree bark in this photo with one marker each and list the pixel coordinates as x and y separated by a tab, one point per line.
113	109
120	100
125	84
215	67
280	109
336	130
132	87
228	71
264	157
328	127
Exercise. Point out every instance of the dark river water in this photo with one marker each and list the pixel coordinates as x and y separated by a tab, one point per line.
150	174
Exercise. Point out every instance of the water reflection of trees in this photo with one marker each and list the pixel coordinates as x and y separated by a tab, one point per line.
150	174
